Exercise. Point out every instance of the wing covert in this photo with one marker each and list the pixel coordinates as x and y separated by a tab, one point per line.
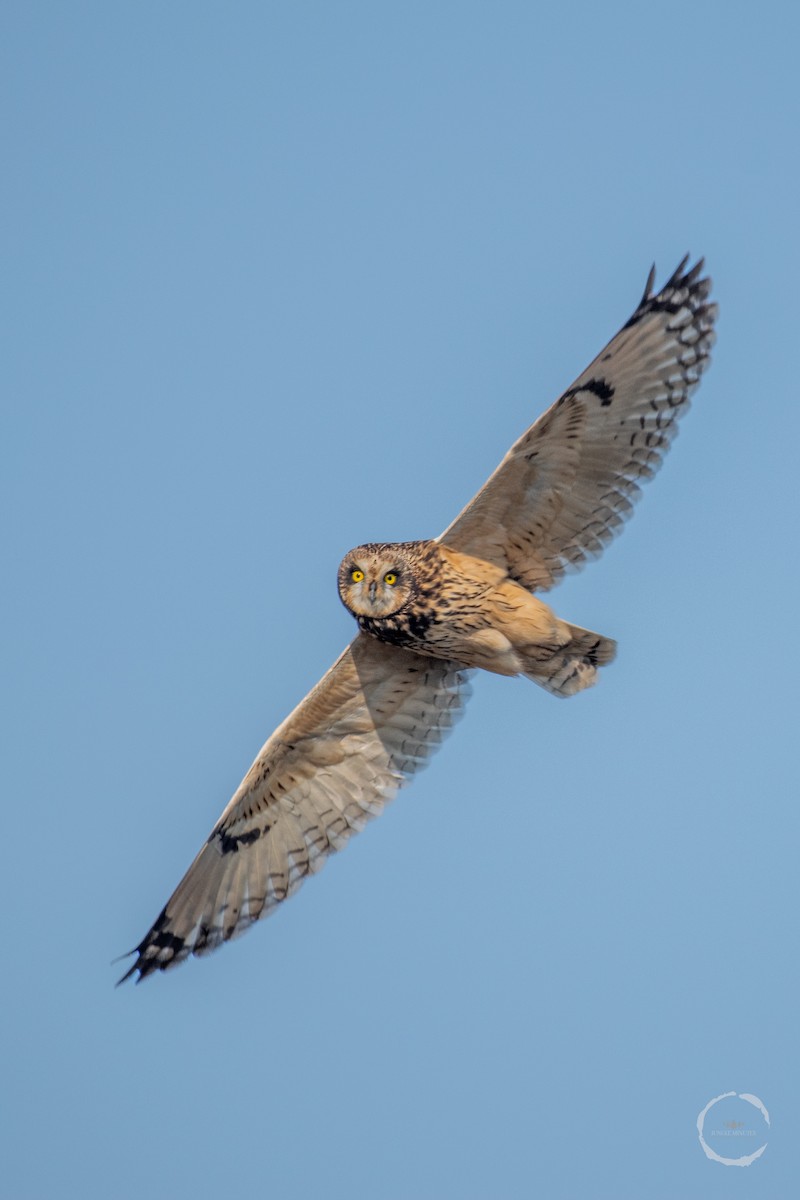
566	487
369	724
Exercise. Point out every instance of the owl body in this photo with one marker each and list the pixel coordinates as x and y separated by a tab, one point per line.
427	597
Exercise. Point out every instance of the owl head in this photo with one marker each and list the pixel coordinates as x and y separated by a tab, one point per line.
377	580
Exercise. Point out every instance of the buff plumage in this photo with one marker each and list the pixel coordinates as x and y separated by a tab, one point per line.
429	611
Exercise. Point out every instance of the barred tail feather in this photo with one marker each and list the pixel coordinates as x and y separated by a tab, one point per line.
573	667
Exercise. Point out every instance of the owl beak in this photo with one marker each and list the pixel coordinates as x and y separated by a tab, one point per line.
373	587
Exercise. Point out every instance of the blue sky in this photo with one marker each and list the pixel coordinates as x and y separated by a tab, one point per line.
284	278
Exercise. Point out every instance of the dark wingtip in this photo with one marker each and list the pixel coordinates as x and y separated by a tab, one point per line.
695	272
665	299
131	970
682	265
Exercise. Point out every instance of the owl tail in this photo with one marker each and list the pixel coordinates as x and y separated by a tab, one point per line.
571	667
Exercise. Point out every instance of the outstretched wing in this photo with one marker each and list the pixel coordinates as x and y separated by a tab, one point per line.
358	736
566	487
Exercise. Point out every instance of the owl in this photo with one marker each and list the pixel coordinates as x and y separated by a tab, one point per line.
440	602
431	612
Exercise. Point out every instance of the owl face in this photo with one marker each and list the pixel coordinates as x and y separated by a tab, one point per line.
376	581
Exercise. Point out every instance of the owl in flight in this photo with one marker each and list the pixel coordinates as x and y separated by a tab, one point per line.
430	611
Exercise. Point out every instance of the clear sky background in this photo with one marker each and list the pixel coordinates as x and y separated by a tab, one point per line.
285	277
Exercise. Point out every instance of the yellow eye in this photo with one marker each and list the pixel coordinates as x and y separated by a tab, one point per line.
390	578
356	575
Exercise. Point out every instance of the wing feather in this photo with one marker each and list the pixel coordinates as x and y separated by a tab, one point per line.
570	482
360	734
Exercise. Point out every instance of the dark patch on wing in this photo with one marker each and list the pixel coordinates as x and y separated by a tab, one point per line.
596	387
230	843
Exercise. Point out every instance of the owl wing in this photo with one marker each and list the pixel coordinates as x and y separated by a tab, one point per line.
566	487
358	736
